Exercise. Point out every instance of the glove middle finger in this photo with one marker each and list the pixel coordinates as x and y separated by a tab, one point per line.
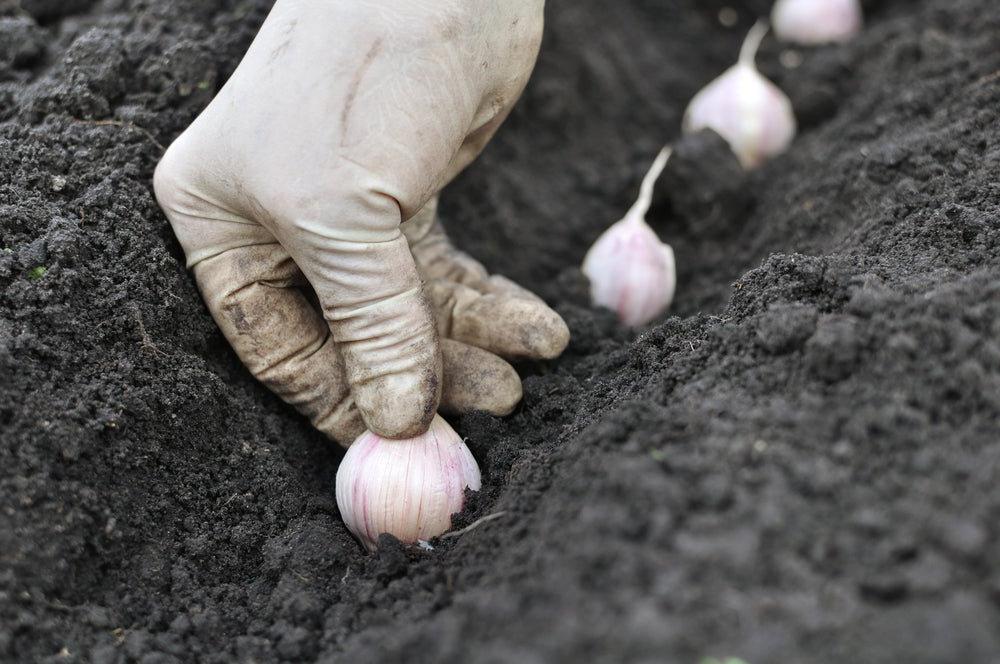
497	320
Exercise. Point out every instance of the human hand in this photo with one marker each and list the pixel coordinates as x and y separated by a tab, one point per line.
343	121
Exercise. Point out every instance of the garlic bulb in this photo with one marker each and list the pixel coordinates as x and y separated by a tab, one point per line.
407	488
630	270
746	109
812	22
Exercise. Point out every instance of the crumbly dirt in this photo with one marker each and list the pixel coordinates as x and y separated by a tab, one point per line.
799	464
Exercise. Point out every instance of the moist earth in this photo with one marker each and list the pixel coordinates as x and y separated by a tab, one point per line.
798	463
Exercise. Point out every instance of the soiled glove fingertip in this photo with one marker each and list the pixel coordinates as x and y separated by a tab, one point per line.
400	406
506	394
475	379
555	338
545	337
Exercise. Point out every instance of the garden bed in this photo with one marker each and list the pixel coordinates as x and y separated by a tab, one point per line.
799	463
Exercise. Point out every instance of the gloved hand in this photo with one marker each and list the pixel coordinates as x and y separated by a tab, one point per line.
343	121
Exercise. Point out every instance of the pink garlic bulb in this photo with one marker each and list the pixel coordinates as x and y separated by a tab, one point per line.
630	270
407	488
812	22
746	109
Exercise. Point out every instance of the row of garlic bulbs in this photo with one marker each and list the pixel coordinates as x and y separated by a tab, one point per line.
410	488
630	270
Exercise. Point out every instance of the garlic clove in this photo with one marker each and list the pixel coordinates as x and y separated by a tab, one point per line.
407	488
749	111
813	22
630	270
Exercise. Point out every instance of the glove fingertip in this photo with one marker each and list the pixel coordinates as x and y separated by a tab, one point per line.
475	379
400	405
553	336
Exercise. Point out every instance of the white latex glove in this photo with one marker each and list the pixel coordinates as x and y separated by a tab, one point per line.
344	120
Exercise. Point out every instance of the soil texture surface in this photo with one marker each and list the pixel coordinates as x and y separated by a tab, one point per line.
800	462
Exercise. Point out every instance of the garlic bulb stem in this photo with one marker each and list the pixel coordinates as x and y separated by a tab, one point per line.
752	42
641	206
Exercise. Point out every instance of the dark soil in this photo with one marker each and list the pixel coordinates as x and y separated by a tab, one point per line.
801	464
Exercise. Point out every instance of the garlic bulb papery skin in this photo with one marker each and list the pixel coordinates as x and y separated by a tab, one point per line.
749	111
630	270
407	488
814	22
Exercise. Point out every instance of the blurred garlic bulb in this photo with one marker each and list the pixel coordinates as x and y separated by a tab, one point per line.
407	488
746	109
630	270
812	22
